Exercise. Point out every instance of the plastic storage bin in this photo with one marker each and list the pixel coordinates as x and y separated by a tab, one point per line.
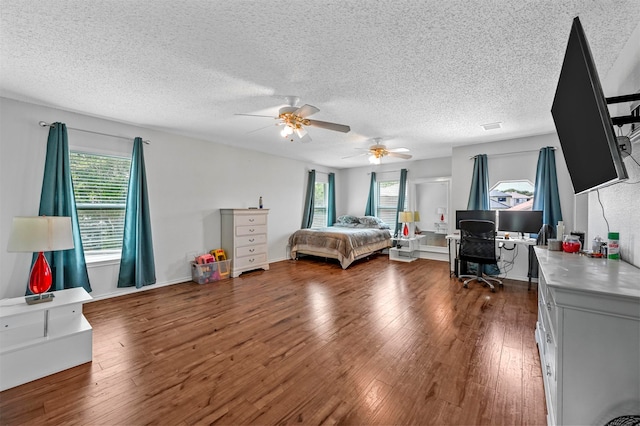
210	272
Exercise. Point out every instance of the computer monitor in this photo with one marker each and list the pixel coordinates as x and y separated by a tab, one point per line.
526	222
475	215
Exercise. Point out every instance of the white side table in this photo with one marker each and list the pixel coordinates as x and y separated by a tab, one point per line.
42	339
405	249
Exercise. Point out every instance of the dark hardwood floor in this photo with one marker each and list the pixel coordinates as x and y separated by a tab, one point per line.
382	342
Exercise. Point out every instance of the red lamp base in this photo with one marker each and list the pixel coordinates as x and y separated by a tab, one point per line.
40	279
405	231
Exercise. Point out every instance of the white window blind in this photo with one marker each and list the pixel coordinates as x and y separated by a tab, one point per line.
320	206
388	201
100	185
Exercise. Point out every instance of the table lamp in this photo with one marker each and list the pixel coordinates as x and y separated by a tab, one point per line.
40	234
406	218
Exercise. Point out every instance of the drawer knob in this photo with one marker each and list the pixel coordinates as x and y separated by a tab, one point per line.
548	337
251	230
549	306
251	240
251	260
251	220
252	250
548	370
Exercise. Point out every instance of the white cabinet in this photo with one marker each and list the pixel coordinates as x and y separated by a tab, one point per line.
244	239
42	339
588	336
406	249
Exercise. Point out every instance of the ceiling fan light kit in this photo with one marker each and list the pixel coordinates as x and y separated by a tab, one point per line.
294	119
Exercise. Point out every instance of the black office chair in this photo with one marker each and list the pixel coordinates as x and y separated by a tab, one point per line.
478	245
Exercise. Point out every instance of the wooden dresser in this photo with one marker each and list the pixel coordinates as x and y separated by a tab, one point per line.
588	336
244	239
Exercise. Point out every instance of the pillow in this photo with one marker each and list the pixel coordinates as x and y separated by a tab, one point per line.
373	222
347	219
347	225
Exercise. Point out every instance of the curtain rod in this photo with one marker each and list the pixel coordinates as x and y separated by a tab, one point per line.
512	153
45	124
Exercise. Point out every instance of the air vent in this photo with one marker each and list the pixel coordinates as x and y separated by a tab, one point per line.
492	126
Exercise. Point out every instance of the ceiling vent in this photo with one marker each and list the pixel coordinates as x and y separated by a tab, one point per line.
492	126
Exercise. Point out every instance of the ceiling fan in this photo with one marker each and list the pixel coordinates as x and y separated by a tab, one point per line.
378	150
294	120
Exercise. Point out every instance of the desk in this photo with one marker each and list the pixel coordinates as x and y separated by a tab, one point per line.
455	239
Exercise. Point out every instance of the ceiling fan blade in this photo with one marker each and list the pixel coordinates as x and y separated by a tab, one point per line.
397	154
258	129
306	110
305	138
356	155
330	126
255	115
398	150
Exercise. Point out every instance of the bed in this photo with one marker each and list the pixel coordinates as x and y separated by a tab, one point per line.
350	239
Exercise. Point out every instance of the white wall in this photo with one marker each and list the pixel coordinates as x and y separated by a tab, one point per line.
621	202
508	160
354	182
189	180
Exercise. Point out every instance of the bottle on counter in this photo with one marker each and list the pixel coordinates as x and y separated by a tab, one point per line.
260	202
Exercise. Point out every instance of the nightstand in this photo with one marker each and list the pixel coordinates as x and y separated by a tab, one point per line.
406	249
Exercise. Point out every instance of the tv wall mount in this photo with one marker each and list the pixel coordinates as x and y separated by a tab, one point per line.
625	119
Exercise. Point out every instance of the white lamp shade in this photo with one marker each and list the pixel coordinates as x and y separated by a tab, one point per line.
40	233
406	217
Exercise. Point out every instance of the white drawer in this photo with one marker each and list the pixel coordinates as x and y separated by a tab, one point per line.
258	219
251	240
250	230
250	250
248	261
64	311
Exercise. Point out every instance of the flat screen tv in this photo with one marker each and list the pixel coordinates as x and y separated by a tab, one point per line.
523	221
475	215
582	119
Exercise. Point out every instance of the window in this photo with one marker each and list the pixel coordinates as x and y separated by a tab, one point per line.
320	203
512	194
100	185
388	201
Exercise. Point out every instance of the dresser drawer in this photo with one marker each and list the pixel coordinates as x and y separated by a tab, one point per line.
251	250
250	230
251	240
249	261
258	219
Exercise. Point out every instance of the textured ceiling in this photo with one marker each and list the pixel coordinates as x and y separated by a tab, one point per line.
424	75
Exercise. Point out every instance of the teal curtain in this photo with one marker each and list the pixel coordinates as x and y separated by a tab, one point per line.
479	193
370	210
479	199
307	215
68	267
331	196
137	265
402	192
546	196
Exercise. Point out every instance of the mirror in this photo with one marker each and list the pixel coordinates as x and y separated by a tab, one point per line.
430	198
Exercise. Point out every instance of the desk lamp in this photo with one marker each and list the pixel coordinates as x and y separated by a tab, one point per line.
40	234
